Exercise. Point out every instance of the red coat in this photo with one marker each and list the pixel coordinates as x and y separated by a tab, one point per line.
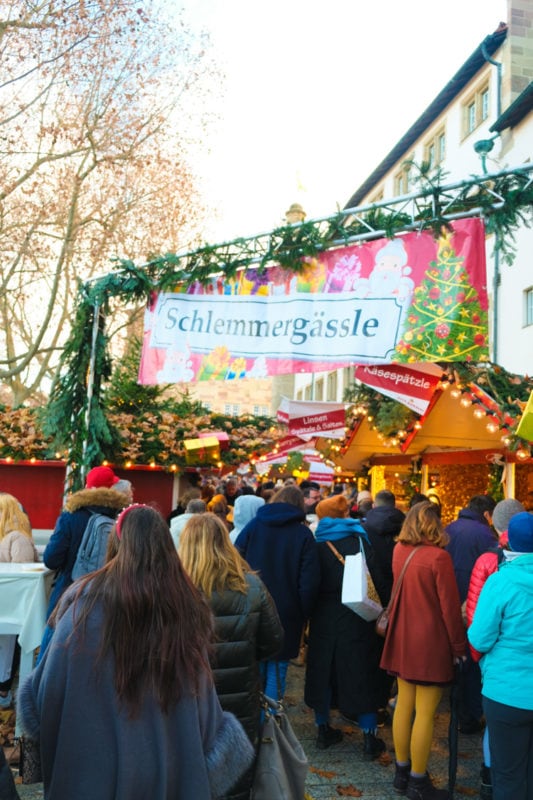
486	564
426	630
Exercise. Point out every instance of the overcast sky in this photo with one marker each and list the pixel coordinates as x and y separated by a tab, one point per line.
317	93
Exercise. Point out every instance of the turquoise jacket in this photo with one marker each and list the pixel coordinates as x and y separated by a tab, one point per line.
502	630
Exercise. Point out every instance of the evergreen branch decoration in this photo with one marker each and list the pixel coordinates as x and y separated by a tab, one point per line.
505	200
384	414
393	421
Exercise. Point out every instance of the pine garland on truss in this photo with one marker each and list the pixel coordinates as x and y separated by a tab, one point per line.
504	200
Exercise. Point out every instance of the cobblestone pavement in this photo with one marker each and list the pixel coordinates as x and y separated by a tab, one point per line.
340	771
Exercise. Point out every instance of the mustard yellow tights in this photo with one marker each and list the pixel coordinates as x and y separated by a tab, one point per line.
412	738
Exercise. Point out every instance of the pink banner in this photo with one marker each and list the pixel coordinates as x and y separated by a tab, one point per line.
414	387
409	299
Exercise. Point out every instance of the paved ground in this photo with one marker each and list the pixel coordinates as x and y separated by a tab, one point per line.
340	771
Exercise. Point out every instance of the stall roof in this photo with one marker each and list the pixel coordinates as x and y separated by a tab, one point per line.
448	427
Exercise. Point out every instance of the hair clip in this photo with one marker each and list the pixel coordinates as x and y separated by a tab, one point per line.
120	518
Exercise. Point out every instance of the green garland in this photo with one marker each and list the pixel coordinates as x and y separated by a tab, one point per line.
64	418
394	421
384	414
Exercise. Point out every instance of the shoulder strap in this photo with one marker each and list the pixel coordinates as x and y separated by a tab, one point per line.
396	587
335	552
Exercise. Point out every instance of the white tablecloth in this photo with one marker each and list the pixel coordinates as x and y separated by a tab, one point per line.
24	592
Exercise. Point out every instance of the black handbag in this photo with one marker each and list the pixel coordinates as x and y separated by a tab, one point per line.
30	760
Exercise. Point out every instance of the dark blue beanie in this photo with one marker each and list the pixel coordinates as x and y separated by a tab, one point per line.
520	533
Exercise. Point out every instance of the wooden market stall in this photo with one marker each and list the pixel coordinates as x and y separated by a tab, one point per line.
456	450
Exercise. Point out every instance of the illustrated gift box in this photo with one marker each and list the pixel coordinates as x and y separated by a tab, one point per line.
221	436
202	451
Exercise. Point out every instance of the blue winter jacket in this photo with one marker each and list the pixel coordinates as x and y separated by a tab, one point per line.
470	536
283	550
502	630
61	551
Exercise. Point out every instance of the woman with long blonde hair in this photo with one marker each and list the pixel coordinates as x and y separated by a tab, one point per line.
247	625
16	546
16	541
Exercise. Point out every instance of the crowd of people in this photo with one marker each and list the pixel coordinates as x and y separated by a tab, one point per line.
163	651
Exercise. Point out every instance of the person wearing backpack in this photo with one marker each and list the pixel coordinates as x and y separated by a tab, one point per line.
98	497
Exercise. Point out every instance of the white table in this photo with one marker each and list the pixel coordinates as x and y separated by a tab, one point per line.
24	593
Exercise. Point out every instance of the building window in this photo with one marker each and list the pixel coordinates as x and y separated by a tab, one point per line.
485	104
332	386
227	409
257	413
435	150
403	180
471	117
442	145
265	411
236	410
529	306
319	389
347	378
476	109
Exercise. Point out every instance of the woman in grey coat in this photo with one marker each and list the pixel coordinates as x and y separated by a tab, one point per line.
123	702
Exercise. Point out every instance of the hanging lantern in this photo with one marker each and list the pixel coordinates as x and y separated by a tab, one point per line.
522	453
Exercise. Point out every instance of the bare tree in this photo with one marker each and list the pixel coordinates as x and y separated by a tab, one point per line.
98	99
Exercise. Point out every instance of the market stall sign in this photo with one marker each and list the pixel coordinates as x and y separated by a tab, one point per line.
308	419
413	386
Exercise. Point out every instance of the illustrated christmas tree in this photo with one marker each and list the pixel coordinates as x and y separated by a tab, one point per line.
445	321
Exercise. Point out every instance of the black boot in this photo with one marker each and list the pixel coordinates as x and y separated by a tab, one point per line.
401	778
485	791
423	789
372	747
327	736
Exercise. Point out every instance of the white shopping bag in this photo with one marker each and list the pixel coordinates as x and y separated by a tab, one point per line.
358	590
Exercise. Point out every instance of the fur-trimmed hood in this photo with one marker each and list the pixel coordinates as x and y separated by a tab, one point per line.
103	498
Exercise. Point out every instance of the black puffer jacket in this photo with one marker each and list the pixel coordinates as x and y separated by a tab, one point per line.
248	630
383	524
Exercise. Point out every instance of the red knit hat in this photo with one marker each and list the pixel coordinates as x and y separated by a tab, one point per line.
101	478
